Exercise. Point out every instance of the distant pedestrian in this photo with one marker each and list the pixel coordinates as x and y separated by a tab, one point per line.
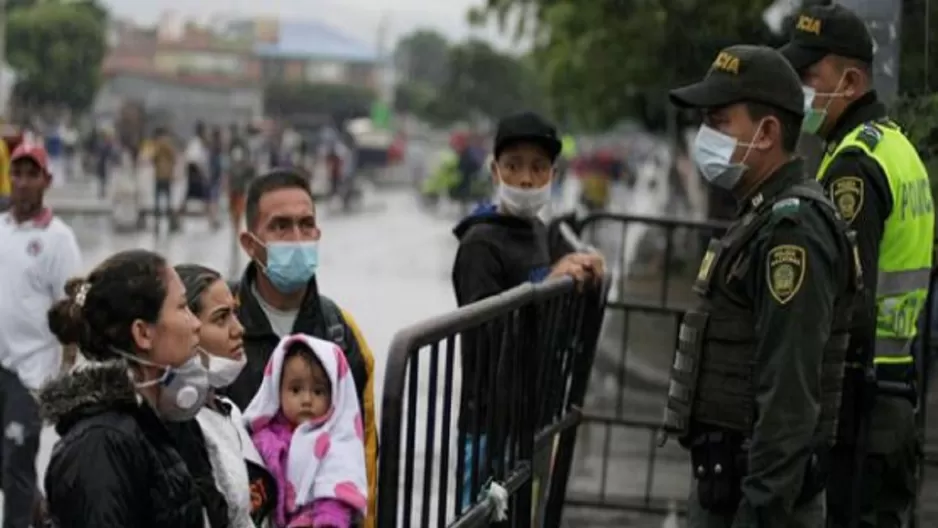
108	155
164	172
241	171
217	159
197	169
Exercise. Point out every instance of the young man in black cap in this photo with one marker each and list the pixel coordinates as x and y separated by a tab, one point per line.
755	385
505	245
879	184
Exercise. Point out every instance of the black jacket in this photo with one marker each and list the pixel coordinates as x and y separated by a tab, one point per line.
496	253
190	443
115	464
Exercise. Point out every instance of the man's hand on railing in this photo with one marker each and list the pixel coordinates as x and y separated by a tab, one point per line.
582	267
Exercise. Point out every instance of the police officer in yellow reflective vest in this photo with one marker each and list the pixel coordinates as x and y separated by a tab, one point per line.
878	183
755	385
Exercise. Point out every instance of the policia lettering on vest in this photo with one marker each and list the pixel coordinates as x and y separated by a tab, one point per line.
755	385
878	183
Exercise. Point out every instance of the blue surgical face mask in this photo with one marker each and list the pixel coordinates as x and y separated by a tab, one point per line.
290	265
713	155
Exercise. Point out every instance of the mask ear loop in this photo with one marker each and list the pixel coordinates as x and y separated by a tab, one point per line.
256	260
750	144
163	379
831	95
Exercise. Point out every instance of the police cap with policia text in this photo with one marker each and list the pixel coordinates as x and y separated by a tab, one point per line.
827	30
745	73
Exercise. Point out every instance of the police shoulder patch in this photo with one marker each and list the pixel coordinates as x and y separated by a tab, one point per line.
785	271
847	194
870	136
786	205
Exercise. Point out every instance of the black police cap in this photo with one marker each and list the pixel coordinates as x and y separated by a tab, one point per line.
530	128
827	30
745	73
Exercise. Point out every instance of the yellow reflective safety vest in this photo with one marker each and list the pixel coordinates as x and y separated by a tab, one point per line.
5	184
568	146
905	251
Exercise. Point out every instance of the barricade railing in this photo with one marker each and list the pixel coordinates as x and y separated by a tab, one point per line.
618	464
663	246
458	431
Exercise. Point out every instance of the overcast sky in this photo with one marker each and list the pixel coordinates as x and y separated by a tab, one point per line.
359	18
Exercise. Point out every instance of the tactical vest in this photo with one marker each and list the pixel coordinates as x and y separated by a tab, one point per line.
905	251
713	376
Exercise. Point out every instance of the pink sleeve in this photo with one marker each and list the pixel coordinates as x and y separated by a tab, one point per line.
270	448
332	513
303	518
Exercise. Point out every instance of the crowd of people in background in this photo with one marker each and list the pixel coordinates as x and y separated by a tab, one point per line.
216	161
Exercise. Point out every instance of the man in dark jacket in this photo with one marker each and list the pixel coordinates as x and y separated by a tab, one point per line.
278	295
505	245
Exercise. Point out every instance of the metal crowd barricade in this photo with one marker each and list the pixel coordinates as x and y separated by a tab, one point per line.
533	347
618	466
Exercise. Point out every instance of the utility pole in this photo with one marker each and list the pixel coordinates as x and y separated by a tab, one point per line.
927	87
381	108
385	91
3	57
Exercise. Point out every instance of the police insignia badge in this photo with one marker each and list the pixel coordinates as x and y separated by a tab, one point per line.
847	195
785	271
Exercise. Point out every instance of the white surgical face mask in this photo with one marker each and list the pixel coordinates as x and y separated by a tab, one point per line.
520	201
183	389
523	202
713	153
223	371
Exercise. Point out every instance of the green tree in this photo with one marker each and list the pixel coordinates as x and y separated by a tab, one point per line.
57	50
421	60
608	59
489	83
480	82
422	57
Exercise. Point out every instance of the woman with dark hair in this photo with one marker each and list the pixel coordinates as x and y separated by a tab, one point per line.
238	470
116	465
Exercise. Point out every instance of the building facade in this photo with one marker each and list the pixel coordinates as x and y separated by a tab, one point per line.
180	72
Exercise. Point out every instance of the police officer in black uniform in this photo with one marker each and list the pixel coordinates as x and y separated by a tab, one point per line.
879	184
755	385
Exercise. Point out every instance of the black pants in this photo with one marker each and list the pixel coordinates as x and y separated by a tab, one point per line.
162	203
21	430
889	482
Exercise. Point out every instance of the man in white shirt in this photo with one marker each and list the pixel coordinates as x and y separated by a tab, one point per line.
39	253
197	170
